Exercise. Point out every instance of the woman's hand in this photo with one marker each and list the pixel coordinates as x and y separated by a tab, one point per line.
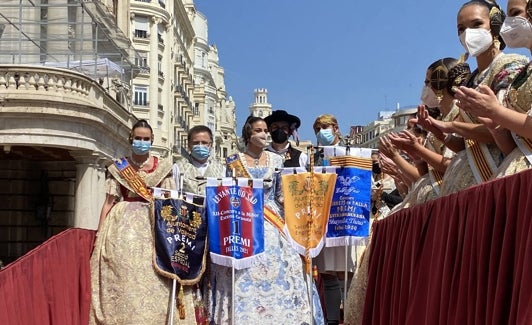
387	148
430	124
405	140
387	165
481	102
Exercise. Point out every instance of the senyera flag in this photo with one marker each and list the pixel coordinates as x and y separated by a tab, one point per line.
180	236
236	220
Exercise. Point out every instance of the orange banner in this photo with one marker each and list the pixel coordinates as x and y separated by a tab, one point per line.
307	202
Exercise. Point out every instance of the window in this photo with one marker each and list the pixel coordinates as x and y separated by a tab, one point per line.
142	60
196	108
160	31
140	96
160	66
141	27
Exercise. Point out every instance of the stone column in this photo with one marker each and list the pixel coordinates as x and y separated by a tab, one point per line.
90	192
168	68
154	74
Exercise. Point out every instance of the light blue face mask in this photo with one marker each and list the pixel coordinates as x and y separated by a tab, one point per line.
325	137
200	152
141	147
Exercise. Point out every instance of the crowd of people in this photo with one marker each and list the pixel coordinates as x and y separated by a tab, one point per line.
472	126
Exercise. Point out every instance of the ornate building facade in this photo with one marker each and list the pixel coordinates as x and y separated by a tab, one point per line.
74	77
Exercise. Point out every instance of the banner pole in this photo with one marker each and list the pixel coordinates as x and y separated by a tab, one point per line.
174	281
311	292
172	302
233	294
344	294
308	258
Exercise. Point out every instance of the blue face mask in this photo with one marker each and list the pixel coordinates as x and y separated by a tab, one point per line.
325	137
141	147
200	152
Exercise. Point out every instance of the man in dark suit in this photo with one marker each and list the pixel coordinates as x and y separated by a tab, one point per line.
281	126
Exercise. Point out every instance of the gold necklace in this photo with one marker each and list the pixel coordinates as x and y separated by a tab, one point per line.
255	158
139	164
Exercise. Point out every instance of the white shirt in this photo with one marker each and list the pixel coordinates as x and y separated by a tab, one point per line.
303	158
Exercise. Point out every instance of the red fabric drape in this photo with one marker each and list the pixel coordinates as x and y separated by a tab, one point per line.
462	259
50	284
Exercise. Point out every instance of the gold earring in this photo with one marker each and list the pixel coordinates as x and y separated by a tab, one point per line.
497	43
439	96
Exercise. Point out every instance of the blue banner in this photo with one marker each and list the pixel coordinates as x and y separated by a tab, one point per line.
350	208
180	235
236	221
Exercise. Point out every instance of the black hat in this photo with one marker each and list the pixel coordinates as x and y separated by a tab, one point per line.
281	115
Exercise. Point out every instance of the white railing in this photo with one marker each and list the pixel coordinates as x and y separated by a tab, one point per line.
23	82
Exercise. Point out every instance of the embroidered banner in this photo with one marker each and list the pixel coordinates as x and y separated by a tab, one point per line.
350	209
180	236
236	221
307	201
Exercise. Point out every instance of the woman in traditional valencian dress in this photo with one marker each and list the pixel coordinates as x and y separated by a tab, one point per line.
274	289
516	32
442	76
125	287
479	23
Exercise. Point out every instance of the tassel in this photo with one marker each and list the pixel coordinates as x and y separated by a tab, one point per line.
181	303
199	308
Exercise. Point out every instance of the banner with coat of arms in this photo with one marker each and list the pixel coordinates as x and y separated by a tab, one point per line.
307	201
349	218
180	237
236	220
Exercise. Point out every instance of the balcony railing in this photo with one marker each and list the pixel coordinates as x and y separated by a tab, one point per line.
46	93
52	83
139	33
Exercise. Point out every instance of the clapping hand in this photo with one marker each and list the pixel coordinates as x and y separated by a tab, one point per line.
387	148
481	102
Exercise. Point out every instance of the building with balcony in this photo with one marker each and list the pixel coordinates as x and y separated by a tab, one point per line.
180	83
74	77
215	109
387	121
65	112
162	33
369	135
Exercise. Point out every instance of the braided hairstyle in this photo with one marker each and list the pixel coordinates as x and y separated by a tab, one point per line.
447	73
458	76
496	15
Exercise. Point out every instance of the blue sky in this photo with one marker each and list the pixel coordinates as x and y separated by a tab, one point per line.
348	58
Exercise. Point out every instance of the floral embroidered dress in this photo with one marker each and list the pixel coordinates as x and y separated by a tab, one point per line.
274	289
125	287
519	98
464	171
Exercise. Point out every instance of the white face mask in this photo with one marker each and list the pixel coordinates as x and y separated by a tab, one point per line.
517	32
259	140
429	98
476	40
